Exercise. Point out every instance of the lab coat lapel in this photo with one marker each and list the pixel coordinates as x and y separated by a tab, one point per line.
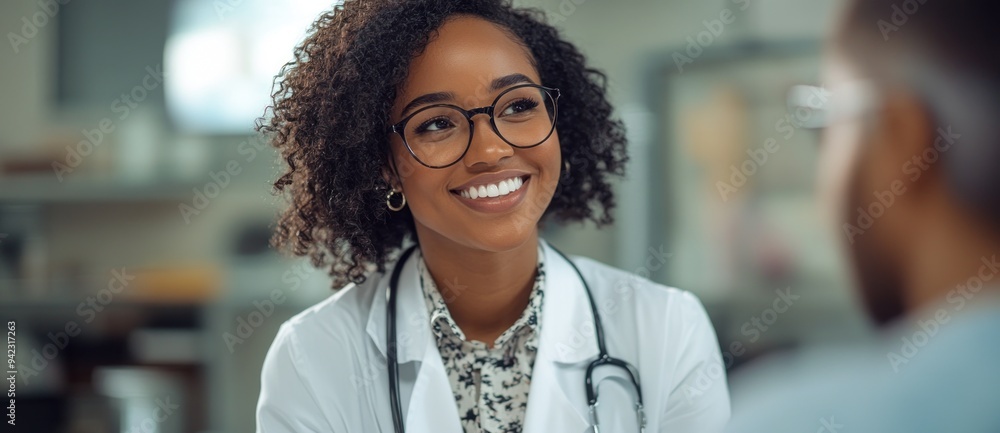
432	404
557	400
430	407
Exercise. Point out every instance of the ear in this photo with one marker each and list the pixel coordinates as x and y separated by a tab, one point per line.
903	132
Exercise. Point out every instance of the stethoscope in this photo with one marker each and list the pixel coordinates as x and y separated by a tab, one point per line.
603	357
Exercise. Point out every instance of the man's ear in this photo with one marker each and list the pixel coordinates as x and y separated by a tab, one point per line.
904	131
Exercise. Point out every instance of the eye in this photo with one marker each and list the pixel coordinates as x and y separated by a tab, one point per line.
434	125
519	106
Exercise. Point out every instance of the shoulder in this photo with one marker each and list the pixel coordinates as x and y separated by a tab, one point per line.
903	380
819	389
346	309
659	316
614	288
668	332
332	331
316	355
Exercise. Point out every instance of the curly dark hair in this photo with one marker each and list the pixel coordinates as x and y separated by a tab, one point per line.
331	107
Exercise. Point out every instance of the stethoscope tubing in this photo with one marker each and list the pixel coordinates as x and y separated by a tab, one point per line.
602	359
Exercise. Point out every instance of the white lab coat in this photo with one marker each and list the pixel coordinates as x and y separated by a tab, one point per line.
326	370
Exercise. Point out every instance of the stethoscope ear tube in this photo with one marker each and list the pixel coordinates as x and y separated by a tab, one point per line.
390	341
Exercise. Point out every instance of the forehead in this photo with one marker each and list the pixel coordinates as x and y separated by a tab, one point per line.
463	56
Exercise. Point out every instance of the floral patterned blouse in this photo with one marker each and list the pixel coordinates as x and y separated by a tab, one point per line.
490	384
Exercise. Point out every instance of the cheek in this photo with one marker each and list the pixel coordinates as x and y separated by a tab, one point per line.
406	166
424	186
550	163
419	183
427	198
551	154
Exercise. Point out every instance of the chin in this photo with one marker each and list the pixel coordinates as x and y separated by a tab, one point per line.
502	237
496	234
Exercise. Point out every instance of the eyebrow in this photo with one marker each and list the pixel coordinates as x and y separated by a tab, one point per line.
509	80
438	97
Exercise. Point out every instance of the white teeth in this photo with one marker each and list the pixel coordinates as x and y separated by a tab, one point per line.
498	189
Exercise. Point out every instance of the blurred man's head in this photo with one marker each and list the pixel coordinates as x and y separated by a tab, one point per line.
912	161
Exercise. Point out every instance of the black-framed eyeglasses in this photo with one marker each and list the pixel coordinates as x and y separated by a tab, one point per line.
440	135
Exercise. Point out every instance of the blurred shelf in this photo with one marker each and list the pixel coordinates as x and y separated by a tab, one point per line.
61	303
47	189
238	288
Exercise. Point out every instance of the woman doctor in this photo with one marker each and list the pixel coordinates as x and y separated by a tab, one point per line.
426	142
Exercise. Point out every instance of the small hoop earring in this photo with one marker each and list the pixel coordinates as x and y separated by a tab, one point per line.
388	201
566	168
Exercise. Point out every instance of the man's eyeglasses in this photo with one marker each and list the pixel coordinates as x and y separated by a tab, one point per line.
816	107
440	135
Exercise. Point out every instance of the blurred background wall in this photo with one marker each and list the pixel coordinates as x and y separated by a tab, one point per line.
136	268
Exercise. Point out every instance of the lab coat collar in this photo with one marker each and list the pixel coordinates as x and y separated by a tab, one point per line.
412	320
555	401
567	321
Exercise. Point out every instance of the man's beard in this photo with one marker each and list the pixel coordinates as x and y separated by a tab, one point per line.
879	278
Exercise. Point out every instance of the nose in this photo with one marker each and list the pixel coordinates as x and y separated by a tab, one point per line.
486	147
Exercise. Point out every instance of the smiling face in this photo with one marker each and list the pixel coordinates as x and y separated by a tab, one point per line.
468	63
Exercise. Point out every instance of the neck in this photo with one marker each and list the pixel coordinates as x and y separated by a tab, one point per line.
486	291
